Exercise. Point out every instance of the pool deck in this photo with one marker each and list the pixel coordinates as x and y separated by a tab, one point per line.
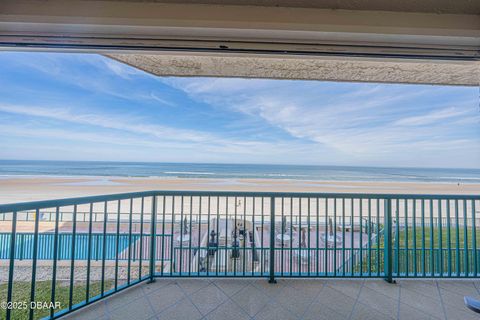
238	299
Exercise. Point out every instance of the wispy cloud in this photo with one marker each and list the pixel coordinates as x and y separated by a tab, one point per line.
119	69
110	121
91	73
363	122
139	136
432	117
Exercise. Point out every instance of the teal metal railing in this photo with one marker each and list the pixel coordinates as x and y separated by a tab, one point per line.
24	246
79	250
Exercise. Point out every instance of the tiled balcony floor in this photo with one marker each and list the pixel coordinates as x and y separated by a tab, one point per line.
239	299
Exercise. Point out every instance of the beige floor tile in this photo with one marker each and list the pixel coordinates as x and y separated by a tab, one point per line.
251	299
124	297
192	285
421	302
231	286
454	313
164	297
139	310
318	311
312	286
335	300
426	287
274	311
208	298
459	287
476	283
95	311
296	301
184	310
453	299
270	289
389	289
159	283
378	301
229	310
347	287
364	312
408	313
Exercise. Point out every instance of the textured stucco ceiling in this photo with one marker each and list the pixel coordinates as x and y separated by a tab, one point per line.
358	70
433	6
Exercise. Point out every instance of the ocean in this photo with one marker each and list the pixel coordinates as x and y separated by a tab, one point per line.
235	171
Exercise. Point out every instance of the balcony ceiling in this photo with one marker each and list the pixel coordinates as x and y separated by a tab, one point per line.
404	41
430	6
328	69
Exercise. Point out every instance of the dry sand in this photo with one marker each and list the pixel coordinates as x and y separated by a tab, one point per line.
20	189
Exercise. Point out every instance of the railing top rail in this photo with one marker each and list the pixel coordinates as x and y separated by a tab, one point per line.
316	195
22	206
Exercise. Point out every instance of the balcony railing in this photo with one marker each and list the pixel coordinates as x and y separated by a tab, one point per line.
76	251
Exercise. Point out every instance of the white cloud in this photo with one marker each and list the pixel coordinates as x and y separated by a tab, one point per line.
120	69
124	123
382	124
431	117
157	98
143	140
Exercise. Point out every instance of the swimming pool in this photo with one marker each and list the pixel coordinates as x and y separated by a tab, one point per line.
24	246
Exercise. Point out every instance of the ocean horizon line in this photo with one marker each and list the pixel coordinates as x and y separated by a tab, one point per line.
240	164
236	171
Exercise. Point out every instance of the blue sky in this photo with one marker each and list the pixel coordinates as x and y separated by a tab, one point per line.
88	107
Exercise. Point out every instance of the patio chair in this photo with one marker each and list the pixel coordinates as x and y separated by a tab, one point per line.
472	304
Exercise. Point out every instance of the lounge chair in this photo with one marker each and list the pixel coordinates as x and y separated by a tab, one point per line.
472	304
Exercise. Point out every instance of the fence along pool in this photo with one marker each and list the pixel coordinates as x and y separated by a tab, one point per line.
96	246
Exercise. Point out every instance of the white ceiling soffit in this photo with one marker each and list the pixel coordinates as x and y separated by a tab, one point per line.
428	41
306	68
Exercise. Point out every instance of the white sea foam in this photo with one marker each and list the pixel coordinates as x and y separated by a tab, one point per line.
189	172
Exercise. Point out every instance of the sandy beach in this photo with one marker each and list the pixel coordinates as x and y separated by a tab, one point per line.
32	188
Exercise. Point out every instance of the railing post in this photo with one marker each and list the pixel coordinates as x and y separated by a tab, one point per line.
153	239
11	269
387	247
272	241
